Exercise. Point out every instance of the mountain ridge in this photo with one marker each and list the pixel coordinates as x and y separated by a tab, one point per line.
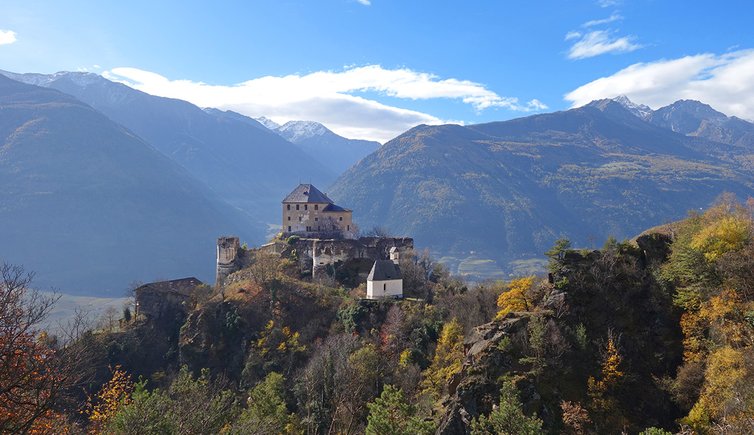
506	190
89	206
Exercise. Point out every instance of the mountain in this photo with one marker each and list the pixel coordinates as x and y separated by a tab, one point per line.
246	165
90	207
336	152
693	118
640	110
505	191
268	123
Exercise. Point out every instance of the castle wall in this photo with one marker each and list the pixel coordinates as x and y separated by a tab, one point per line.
314	255
321	253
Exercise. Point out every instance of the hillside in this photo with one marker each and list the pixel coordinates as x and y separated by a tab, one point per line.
245	164
653	333
90	206
506	190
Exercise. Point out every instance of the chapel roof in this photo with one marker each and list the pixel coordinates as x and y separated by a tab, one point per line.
384	270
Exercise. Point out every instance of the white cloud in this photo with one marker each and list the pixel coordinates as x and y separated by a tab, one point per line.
611	19
608	3
572	35
7	37
600	42
725	81
365	2
329	97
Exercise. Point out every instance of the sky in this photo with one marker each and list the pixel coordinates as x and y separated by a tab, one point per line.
372	69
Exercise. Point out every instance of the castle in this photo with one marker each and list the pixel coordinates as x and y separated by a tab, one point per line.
320	235
307	212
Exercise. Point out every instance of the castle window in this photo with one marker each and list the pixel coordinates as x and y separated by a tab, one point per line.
316	219
296	206
306	207
289	206
384	287
316	206
289	228
348	228
289	218
299	218
340	218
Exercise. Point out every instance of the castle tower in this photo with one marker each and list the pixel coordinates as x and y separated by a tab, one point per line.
227	251
395	255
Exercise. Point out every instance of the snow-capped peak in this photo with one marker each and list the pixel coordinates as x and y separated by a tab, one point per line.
267	122
640	110
295	130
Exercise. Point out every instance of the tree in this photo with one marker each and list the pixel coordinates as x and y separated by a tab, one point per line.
602	391
516	298
447	361
508	418
147	413
266	412
575	418
727	398
720	236
33	376
317	387
391	414
112	396
200	405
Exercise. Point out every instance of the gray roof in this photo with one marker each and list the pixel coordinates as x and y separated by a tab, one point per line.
307	193
384	270
333	207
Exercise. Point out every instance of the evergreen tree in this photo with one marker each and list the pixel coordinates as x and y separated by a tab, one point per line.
508	418
391	414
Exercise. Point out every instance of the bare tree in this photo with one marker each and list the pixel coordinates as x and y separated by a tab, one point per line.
35	371
26	384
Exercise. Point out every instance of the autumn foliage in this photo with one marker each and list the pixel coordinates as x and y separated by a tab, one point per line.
516	298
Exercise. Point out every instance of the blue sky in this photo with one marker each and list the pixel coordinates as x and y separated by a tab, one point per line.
374	68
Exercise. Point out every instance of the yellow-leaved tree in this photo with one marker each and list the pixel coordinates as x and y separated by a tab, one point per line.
601	391
447	361
109	400
727	396
726	234
516	298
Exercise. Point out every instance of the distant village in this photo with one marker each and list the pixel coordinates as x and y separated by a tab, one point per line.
322	235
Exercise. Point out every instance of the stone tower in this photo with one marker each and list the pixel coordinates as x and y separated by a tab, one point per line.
227	252
395	255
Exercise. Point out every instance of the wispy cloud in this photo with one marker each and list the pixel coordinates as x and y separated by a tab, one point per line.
611	19
335	98
7	37
599	42
365	2
608	3
724	81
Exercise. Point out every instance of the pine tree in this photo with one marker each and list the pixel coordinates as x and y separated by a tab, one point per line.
391	414
508	418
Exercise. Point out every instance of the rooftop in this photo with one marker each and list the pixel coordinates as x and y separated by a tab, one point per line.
307	193
384	270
